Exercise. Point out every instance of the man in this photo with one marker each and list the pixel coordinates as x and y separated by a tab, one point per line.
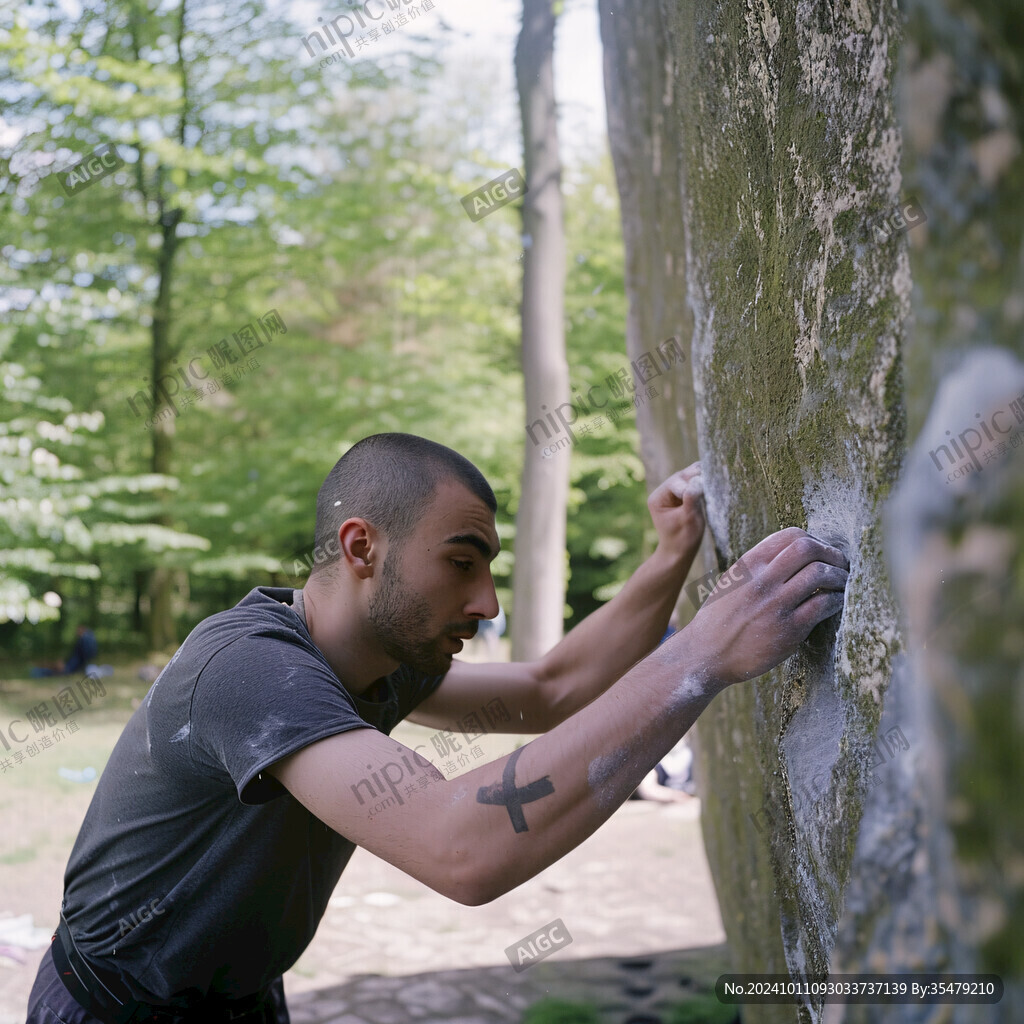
238	790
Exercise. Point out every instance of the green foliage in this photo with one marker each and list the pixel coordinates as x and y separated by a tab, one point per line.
702	1009
561	1011
328	196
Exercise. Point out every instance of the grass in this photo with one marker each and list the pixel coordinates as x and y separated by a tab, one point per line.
561	1011
43	811
700	1009
681	990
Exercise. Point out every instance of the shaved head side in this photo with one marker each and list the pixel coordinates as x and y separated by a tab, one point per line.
388	480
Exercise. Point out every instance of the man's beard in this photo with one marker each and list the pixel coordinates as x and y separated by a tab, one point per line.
401	624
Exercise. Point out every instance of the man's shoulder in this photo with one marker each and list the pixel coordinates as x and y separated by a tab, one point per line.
262	609
259	625
270	600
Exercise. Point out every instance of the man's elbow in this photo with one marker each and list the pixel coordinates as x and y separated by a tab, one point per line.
471	883
470	896
476	894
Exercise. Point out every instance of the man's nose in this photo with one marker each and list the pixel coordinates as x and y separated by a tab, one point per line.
484	604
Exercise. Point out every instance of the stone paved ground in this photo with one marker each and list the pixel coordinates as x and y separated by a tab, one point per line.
634	990
639	886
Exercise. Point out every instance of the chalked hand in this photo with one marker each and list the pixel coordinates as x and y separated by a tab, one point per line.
790	582
677	510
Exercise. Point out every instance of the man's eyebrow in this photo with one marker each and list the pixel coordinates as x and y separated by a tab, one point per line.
473	540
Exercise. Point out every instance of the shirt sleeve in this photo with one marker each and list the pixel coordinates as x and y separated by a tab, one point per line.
258	700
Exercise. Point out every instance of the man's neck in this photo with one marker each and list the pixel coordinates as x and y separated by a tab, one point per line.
343	637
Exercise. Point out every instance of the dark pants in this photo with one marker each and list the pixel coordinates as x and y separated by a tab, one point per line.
51	1003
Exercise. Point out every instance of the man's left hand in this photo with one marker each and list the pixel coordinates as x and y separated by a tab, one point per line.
677	509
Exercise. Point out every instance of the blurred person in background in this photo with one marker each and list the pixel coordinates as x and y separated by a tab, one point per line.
83	653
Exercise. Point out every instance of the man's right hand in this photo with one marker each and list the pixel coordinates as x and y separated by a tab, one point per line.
784	587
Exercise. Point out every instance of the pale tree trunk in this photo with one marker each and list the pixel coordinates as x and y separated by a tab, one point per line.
160	621
540	569
643	134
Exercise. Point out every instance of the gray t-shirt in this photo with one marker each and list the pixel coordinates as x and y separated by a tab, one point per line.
196	873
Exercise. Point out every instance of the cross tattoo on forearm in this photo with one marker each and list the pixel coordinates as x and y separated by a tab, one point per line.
513	797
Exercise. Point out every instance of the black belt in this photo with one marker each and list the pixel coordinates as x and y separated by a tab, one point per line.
107	997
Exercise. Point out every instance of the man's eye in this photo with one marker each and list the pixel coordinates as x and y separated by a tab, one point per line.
464	566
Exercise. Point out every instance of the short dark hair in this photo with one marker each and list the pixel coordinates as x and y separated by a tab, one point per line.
388	479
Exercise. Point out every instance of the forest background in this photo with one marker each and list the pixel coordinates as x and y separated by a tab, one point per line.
257	180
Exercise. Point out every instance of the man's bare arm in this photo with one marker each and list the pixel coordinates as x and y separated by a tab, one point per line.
480	835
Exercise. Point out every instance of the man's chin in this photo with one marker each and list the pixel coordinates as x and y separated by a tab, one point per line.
435	665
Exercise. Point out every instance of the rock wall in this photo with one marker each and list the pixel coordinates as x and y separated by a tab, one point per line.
769	130
790	153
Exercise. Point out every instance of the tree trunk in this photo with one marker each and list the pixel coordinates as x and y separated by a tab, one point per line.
160	623
540	570
643	134
161	579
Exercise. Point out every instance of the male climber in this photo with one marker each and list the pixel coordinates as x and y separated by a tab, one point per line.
232	800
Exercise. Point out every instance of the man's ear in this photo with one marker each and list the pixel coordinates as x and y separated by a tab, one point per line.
362	547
